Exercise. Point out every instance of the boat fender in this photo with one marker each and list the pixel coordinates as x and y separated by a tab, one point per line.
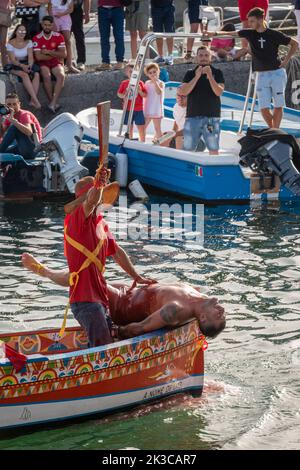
121	175
137	190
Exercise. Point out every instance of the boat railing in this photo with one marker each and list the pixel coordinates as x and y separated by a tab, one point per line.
253	77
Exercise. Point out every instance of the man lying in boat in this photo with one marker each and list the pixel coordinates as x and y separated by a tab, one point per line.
139	310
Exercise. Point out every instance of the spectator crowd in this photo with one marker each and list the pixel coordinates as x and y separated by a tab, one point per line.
39	49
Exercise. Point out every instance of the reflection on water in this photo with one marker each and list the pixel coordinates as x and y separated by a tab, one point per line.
250	260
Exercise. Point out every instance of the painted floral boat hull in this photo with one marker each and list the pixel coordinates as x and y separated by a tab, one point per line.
64	380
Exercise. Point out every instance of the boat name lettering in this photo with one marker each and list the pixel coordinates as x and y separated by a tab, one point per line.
25	415
164	389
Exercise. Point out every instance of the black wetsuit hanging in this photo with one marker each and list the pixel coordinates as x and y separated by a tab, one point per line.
272	152
254	139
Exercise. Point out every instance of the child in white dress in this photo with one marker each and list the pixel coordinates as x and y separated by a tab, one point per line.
153	102
61	11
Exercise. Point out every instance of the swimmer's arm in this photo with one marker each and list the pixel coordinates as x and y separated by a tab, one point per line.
171	314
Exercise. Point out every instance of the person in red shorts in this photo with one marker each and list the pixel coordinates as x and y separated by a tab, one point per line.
50	51
245	6
138	113
88	242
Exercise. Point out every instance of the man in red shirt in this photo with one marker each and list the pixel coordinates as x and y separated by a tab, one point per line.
138	114
17	127
88	244
50	51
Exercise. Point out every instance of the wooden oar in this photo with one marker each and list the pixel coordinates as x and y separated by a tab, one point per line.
103	116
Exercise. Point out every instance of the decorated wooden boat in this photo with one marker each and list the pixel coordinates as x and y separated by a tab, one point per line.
63	379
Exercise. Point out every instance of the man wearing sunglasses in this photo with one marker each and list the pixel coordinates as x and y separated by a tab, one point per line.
16	129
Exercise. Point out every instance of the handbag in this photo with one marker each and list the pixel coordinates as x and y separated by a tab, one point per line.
26	12
5	17
207	12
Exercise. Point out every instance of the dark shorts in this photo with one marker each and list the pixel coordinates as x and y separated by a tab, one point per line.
163	19
194	9
95	320
35	68
138	118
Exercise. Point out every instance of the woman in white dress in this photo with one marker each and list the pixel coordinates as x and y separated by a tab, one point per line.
21	63
153	102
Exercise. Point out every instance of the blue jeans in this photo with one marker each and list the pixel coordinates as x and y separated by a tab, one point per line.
95	320
207	128
25	145
114	17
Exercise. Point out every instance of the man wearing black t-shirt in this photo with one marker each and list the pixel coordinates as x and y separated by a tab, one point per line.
264	44
203	87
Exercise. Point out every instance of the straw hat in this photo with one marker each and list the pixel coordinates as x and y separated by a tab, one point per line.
109	195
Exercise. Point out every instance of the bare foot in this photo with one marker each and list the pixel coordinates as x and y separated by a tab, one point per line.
32	264
35	104
72	69
51	108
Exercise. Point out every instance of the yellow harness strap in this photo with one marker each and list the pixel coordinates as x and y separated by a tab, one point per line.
91	257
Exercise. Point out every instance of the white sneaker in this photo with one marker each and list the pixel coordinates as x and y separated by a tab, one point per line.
169	60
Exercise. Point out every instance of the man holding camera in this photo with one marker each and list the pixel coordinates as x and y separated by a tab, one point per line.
17	128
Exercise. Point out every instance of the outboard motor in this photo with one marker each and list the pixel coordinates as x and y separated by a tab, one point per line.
61	140
274	157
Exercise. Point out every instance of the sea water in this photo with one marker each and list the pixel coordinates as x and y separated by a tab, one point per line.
250	260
